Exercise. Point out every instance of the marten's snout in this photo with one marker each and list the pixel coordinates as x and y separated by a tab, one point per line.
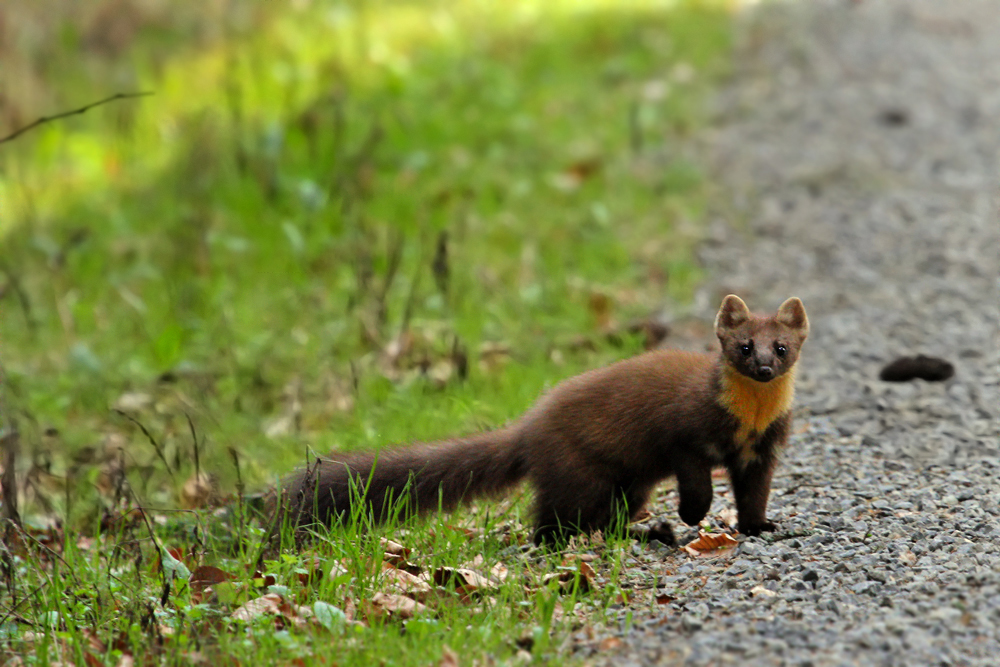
765	373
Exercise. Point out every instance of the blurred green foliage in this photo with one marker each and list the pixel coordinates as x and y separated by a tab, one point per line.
258	244
336	223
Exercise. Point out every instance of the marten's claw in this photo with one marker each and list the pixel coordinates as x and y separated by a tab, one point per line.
757	528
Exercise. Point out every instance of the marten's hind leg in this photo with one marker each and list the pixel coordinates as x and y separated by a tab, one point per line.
574	508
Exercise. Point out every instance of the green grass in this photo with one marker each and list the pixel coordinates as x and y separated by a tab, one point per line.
254	247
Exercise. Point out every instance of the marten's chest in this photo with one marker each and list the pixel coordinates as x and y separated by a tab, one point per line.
754	405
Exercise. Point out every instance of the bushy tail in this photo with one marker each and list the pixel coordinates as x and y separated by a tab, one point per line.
410	479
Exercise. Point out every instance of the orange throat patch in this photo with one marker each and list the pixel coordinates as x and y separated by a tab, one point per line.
755	404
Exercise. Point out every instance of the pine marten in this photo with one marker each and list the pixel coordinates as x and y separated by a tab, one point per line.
595	445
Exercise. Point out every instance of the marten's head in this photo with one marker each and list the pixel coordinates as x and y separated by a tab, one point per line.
758	346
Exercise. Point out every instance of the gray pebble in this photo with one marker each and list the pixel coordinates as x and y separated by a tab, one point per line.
858	143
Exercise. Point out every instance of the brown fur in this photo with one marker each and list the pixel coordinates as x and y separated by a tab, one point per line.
596	445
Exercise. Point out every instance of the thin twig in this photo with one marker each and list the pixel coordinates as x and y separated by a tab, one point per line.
152	441
12	611
197	455
74	112
22	297
240	489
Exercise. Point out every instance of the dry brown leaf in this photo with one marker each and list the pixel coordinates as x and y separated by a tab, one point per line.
295	614
587	574
208	575
584	168
470	533
465	580
313	571
393	606
729	517
601	305
133	402
339	569
609	643
394	551
416	586
448	658
499	573
94	642
568	576
205	576
493	356
273	604
760	591
711	544
197	491
263	580
350	610
266	604
440	372
641	515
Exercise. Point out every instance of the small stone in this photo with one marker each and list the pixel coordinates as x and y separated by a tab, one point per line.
876	575
691	623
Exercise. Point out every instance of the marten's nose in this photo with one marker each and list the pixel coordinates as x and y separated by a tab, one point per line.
765	372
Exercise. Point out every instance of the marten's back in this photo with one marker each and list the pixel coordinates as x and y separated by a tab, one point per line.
613	412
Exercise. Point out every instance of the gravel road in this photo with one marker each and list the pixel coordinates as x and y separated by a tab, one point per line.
859	148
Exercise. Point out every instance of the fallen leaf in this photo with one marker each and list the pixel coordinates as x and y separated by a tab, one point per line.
207	575
262	580
499	572
393	549
574	573
279	426
729	517
440	373
493	356
601	305
393	606
133	402
466	581
641	515
711	544
339	569
610	643
312	573
197	491
470	533
266	604
584	568
448	658
417	587
273	604
584	169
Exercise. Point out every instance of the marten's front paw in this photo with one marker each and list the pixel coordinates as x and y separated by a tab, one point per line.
757	528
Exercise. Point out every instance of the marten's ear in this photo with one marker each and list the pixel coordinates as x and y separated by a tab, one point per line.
793	315
732	314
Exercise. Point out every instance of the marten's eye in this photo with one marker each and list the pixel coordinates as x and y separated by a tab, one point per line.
746	349
780	350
